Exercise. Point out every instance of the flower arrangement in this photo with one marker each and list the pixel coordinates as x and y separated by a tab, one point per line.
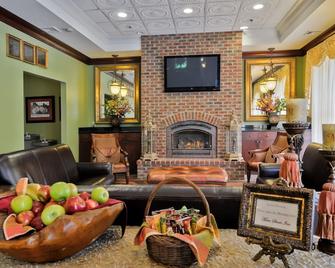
269	102
116	105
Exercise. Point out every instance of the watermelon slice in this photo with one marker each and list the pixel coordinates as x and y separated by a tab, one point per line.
12	229
21	186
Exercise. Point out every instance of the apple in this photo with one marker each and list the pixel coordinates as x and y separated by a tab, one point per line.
43	193
85	195
100	194
73	189
25	217
37	207
74	204
21	203
51	202
51	213
91	204
37	223
60	191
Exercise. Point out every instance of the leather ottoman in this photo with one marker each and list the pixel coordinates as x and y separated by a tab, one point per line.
198	175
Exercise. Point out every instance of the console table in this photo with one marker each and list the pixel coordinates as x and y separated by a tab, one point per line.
129	138
257	139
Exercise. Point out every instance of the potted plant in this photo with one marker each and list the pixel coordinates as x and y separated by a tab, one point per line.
116	108
272	105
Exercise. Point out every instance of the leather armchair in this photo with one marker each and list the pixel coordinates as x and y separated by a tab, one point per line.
266	155
47	165
106	148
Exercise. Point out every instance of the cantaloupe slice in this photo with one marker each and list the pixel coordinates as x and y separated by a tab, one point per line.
21	186
12	229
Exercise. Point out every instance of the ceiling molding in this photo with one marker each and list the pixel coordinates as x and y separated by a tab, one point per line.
26	27
301	10
274	54
123	60
319	39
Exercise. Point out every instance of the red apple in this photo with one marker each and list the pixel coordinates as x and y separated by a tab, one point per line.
25	217
43	193
37	207
37	223
91	204
85	195
74	204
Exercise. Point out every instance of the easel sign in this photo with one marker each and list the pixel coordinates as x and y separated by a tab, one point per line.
279	219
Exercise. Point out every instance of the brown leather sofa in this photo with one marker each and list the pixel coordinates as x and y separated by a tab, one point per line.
47	165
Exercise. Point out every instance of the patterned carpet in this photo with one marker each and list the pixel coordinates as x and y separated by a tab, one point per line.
234	253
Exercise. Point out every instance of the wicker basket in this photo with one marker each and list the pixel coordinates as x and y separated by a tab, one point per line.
166	249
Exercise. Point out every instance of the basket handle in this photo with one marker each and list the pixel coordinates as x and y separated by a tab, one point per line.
174	179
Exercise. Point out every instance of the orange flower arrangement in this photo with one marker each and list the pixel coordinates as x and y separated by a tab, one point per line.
269	102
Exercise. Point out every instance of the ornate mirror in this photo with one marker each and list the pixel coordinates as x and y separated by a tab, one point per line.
126	77
257	78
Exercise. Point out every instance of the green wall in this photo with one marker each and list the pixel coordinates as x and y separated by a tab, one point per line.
76	92
300	77
35	86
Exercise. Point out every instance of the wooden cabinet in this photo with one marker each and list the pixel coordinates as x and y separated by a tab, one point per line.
259	139
129	138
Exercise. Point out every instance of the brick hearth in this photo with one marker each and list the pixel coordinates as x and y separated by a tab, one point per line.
235	169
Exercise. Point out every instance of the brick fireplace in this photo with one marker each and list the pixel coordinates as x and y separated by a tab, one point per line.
209	109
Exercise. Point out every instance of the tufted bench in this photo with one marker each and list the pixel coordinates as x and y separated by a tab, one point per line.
198	174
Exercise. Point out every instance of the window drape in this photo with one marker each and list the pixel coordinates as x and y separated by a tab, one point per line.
322	97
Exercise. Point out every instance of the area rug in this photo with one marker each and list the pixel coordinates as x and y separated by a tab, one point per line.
107	251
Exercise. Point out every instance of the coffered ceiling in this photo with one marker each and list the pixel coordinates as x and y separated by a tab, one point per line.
96	28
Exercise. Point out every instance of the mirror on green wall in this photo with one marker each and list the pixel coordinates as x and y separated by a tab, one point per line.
257	73
119	81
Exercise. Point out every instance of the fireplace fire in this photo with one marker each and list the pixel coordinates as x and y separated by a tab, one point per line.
191	139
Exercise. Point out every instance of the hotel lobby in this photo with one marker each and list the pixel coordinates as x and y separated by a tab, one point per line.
167	133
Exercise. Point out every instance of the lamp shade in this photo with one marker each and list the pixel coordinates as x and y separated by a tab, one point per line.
296	110
123	91
114	87
271	83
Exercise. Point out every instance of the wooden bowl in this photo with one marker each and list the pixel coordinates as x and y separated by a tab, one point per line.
66	236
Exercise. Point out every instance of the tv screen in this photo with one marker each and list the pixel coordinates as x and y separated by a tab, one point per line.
192	73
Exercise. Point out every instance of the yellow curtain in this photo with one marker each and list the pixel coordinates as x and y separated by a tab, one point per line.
316	56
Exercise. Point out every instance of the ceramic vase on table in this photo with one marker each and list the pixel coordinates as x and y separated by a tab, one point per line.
273	118
115	121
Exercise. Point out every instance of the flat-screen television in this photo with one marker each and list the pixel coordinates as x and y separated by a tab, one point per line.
192	73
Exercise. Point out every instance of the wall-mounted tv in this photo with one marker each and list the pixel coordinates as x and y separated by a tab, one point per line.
192	73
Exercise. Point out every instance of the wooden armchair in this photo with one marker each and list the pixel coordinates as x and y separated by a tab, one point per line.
266	155
106	148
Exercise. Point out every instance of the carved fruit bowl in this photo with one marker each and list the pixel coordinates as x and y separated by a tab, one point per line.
66	236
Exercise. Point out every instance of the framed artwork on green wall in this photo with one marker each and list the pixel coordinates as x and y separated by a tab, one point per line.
13	47
28	53
40	109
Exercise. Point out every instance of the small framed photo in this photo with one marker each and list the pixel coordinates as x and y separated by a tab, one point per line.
283	213
28	53
41	57
13	47
40	109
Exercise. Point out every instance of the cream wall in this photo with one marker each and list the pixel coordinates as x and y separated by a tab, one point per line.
76	91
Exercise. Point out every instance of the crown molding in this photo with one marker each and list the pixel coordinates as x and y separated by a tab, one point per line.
319	39
26	27
121	60
273	54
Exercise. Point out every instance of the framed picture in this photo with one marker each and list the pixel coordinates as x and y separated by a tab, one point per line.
40	109
13	47
28	52
41	57
285	214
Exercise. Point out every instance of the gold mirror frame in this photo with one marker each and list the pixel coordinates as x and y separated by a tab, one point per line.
248	84
118	67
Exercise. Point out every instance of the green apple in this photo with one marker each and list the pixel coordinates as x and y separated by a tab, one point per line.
51	213
60	191
100	194
73	189
21	203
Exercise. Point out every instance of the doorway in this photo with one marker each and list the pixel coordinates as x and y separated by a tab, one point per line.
43	113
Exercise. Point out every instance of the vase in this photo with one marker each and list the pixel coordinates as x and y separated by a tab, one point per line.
115	121
273	118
